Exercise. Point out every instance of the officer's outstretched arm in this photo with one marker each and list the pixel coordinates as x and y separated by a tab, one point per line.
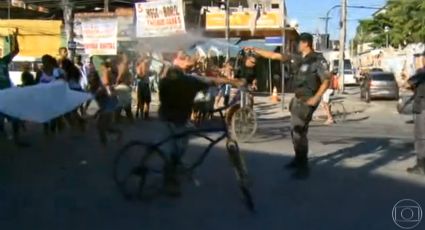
268	54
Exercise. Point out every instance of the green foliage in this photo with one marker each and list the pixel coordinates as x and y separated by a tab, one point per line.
405	18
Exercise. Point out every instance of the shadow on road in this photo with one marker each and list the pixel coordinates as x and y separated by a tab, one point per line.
376	152
66	184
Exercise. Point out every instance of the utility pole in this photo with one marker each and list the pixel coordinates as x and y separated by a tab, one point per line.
342	35
106	6
282	50
227	29
387	35
8	8
69	24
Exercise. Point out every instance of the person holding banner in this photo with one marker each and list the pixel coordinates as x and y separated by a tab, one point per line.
50	73
5	83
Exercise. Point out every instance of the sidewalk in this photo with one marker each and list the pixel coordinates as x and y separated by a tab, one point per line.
266	109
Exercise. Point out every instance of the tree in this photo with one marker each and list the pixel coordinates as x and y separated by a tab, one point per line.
405	18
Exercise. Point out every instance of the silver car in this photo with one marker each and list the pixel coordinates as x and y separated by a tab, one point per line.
379	85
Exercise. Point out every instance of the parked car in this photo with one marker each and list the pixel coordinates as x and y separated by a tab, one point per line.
379	85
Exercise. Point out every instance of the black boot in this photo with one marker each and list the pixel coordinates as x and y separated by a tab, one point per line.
296	162
292	165
419	168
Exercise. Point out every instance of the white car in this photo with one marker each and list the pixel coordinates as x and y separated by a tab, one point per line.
349	77
16	67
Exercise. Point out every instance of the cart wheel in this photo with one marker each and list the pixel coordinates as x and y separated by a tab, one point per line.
244	124
138	170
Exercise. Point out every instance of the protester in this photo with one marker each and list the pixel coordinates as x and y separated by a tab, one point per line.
50	73
123	87
176	94
5	83
417	83
90	71
143	89
183	62
311	82
78	62
27	78
73	78
226	71
107	105
247	71
107	77
63	53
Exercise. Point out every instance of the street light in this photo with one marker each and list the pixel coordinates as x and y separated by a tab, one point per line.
326	18
387	33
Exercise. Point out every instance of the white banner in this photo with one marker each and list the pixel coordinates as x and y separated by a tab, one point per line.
100	36
42	102
160	18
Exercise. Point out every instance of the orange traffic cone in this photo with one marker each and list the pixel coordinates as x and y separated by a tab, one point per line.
275	97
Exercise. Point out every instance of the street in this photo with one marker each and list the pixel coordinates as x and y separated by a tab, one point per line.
358	175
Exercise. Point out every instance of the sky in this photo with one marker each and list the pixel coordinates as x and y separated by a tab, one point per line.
308	12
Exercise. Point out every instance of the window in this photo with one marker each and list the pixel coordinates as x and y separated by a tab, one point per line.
383	77
347	64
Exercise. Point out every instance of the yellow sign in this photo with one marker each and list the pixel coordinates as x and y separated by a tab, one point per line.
36	37
243	20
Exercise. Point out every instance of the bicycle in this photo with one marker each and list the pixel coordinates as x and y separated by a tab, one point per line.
338	110
339	113
140	179
242	117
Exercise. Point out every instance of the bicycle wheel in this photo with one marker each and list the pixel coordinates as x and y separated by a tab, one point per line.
241	172
244	124
138	170
338	112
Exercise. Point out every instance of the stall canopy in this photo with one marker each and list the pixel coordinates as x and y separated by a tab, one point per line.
36	37
219	46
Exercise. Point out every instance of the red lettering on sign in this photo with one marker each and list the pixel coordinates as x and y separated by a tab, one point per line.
90	46
107	45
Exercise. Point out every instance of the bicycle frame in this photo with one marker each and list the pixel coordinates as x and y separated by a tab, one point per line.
200	133
242	98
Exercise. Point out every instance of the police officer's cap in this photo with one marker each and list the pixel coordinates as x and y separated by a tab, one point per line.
306	37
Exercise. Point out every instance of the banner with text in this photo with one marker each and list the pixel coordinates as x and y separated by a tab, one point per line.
160	18
100	36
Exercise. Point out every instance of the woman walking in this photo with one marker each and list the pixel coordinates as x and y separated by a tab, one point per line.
143	89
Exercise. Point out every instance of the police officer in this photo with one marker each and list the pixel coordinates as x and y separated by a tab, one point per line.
417	83
311	81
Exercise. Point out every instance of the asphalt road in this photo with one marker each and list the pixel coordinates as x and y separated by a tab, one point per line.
358	175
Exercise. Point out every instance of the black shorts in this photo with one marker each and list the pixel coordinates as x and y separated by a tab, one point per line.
143	92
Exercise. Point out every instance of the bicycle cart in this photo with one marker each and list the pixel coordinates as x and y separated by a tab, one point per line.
243	119
139	166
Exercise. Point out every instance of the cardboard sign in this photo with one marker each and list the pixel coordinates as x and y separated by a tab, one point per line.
100	36
160	18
